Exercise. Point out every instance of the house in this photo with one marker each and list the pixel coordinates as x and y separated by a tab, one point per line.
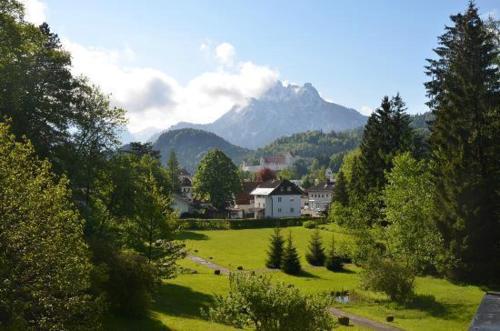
244	201
276	199
329	175
186	184
181	205
320	196
275	163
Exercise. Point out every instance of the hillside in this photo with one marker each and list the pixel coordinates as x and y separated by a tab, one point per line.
191	145
281	111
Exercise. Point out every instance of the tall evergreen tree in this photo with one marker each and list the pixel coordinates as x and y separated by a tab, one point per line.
333	262
464	93
340	190
174	172
316	254
290	262
275	252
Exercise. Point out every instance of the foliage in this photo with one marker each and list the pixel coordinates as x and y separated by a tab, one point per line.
173	173
140	149
253	301
44	265
225	224
216	179
290	262
333	261
411	235
316	254
340	194
265	174
388	276
464	91
275	252
309	224
131	283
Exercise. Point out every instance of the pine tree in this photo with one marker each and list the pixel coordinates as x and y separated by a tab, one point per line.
316	253
290	263
340	190
275	252
173	172
464	96
333	262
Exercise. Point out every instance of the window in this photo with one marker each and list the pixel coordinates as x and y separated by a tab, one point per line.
279	199
279	210
291	210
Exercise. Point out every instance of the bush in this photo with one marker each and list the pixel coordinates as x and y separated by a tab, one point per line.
227	224
343	320
217	272
390	277
254	302
309	224
131	283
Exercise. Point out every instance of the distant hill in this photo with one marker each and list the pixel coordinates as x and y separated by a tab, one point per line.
281	111
191	145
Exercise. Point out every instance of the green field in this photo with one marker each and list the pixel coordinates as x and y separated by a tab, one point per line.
439	305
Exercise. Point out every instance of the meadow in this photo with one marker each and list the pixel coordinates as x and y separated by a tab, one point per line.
438	304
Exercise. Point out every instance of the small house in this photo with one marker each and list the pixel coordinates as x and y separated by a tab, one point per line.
277	199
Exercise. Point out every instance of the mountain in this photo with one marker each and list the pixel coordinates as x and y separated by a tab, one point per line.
191	145
280	111
149	134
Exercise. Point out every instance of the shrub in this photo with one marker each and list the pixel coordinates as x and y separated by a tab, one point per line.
217	272
333	261
343	320
290	263
275	251
309	224
240	268
316	254
254	302
131	283
389	318
390	277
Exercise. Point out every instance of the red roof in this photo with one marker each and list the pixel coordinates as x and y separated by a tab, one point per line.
244	197
275	159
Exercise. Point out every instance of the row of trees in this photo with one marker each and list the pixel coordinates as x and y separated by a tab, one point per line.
436	204
84	227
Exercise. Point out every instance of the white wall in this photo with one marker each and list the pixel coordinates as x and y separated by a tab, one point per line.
285	206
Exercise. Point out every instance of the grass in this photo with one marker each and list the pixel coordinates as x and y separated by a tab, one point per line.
439	305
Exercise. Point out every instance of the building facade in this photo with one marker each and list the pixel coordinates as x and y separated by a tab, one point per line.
320	197
277	199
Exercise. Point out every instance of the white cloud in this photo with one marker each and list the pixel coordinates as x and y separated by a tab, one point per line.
366	110
155	99
225	53
35	11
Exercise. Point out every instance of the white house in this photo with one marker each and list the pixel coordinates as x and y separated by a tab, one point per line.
276	199
320	197
274	162
181	204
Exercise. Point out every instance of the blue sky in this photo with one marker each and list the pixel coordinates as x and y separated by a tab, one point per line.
353	52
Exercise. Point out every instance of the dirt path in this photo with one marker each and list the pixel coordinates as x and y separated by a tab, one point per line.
354	319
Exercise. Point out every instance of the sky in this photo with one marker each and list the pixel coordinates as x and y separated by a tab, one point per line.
186	60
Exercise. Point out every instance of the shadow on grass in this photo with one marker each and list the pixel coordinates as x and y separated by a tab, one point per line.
177	300
305	274
190	235
428	304
119	323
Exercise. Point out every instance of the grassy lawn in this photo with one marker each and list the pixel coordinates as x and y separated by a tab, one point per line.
440	305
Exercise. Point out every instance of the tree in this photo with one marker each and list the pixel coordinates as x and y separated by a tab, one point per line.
44	266
275	252
173	172
265	174
316	254
464	93
216	179
340	190
333	262
257	303
290	262
412	236
140	149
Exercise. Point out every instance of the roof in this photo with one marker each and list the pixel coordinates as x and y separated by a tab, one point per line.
322	187
275	159
277	187
185	181
487	317
184	172
244	197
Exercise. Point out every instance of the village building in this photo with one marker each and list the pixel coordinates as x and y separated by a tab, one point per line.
277	199
244	201
320	197
274	162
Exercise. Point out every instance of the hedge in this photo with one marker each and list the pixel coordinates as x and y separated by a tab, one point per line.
227	224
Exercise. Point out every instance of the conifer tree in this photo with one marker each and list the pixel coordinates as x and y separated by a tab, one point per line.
275	252
290	263
173	172
464	93
316	253
333	262
340	190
